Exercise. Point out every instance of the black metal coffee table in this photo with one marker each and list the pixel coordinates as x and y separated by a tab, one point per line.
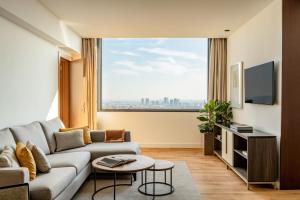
142	163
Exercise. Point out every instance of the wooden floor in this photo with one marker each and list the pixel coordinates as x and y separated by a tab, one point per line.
214	181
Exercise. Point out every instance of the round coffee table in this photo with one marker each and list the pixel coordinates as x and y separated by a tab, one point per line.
163	166
142	163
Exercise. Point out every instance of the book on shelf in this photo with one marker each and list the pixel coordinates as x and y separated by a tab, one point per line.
114	161
241	127
245	153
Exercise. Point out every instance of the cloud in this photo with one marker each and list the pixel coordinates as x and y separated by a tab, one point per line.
174	53
126	72
166	65
133	66
159	41
126	53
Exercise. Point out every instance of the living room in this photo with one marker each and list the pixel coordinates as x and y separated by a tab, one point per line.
198	94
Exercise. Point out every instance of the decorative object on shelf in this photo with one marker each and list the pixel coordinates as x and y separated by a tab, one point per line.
223	112
236	85
208	118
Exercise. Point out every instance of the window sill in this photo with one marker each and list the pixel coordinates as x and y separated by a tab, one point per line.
147	110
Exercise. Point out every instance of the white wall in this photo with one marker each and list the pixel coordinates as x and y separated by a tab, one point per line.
31	39
32	15
156	129
28	76
256	42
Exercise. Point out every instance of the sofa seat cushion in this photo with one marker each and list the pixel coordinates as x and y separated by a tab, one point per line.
50	127
49	185
73	159
100	149
6	139
31	132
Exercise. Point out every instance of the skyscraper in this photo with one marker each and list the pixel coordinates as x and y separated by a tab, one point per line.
166	100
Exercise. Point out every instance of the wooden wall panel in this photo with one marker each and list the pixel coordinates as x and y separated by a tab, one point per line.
78	102
290	125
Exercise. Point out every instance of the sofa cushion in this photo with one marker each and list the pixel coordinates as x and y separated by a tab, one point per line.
50	127
41	161
69	140
6	139
49	185
31	132
74	159
26	159
8	158
100	149
86	133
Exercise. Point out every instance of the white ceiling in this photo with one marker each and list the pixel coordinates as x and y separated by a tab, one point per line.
154	18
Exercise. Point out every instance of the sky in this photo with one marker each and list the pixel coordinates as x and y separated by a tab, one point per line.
135	68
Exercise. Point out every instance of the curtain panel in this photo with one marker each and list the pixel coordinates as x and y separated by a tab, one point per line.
89	55
217	77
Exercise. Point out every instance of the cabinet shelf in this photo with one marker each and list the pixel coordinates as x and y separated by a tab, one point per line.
239	152
242	172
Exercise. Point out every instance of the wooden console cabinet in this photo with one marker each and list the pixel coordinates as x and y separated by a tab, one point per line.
252	156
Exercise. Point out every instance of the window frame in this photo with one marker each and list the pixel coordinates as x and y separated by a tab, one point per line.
99	87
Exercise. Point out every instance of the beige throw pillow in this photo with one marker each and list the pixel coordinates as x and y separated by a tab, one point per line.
69	139
8	158
42	162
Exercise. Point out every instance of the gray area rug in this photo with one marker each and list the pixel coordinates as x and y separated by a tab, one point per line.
185	188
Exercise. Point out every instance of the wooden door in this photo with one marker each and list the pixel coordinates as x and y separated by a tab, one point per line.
64	91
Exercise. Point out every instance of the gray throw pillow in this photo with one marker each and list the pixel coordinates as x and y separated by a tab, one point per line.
42	162
8	157
69	139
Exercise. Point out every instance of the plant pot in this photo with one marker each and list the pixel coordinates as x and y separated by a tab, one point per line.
208	144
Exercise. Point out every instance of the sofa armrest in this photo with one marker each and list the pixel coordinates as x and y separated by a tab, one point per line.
99	136
13	176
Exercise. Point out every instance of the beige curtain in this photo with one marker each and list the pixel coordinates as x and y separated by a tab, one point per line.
217	79
89	55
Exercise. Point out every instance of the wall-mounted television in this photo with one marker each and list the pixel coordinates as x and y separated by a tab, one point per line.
260	84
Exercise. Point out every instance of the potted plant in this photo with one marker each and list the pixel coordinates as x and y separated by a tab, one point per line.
224	113
208	119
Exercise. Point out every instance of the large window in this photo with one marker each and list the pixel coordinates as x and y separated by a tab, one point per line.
155	74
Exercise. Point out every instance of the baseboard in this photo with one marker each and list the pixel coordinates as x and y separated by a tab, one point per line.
171	145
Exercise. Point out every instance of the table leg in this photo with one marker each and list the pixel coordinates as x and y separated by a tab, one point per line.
165	176
154	183
171	180
146	181
94	173
115	177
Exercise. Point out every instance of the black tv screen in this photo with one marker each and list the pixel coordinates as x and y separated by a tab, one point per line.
260	84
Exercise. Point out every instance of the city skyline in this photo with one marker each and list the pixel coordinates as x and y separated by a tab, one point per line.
148	103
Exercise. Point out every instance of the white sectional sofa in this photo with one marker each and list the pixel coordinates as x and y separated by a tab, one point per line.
70	168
